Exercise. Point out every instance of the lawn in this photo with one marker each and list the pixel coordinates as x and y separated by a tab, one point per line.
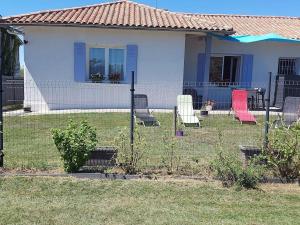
28	142
63	201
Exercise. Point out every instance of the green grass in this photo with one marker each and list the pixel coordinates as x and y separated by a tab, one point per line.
63	201
28	141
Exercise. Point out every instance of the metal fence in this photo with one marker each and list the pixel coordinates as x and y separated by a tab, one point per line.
184	142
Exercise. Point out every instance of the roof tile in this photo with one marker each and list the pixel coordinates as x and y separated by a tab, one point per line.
120	13
288	27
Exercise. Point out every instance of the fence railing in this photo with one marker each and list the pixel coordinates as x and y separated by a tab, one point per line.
205	122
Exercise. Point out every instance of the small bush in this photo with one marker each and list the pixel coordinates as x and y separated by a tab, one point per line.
283	152
74	144
128	156
249	177
229	169
171	159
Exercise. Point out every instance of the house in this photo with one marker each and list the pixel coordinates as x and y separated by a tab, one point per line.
167	51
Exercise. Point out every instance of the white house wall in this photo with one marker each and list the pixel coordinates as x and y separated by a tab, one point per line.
49	73
266	55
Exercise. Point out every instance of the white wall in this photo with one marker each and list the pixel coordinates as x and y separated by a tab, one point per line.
49	73
266	55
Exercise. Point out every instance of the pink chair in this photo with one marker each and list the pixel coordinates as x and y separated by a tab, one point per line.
240	107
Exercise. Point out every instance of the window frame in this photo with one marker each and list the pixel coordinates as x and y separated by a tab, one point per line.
106	55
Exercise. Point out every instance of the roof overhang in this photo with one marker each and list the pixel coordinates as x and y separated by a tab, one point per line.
272	37
219	32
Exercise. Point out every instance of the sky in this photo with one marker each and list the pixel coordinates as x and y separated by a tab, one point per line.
252	7
244	7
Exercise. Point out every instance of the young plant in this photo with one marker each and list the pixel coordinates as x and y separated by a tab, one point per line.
229	169
128	156
208	105
171	159
97	77
74	144
114	77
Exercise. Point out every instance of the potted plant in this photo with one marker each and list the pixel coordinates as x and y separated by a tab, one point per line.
97	77
114	78
208	106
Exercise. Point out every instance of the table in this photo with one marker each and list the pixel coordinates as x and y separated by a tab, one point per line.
255	95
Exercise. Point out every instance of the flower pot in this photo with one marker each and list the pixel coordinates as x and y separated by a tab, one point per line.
97	81
179	133
114	82
248	152
27	109
203	113
102	156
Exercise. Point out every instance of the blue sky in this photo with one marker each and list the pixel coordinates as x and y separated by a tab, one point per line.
250	7
253	7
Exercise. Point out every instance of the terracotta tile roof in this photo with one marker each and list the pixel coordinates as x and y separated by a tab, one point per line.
119	14
257	25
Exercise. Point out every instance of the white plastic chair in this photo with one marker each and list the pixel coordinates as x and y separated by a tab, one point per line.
186	111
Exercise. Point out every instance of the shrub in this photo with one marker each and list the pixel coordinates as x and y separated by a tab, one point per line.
128	156
249	177
229	169
283	152
74	144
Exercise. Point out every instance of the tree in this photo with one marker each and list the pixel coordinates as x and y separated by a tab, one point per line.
10	44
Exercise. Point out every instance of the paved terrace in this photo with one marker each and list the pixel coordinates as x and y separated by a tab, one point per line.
20	112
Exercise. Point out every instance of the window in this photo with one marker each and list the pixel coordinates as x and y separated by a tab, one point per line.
224	69
216	69
116	62
109	63
97	61
287	66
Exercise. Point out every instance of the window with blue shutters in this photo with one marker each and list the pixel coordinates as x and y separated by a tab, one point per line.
105	64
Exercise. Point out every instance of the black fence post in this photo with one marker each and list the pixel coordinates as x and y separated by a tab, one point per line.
175	120
267	119
132	111
1	103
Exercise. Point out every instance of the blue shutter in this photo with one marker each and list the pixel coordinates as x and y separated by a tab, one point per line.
247	68
131	62
79	62
200	67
